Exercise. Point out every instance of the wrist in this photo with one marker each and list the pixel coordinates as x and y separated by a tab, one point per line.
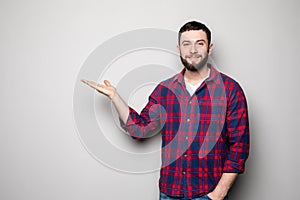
114	97
221	192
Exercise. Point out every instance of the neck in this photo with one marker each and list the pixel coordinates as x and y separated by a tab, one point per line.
194	77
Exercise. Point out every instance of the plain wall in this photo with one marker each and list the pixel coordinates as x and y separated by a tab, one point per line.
43	45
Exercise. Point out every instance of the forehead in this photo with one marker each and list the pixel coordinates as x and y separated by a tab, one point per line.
193	35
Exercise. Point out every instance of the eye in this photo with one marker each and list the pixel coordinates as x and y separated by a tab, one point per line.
200	43
186	44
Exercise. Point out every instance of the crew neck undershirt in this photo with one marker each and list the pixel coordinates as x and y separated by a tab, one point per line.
192	88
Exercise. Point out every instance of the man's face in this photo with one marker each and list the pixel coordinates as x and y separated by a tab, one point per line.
194	49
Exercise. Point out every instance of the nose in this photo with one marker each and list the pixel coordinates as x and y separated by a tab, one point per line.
194	49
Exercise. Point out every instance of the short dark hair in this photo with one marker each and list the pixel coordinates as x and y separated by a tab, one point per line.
194	26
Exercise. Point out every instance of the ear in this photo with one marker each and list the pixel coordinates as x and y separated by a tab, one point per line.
210	48
178	49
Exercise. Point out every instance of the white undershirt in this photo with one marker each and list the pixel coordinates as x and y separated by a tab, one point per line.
192	88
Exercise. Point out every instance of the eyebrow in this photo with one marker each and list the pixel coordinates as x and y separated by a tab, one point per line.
201	40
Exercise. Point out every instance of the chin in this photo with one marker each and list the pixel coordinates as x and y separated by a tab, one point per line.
194	62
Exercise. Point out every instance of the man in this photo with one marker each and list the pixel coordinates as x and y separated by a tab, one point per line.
202	117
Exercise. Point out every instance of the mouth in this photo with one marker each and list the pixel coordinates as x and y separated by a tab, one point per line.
194	58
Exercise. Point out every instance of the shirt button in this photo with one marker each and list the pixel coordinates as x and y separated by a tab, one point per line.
183	172
186	137
185	155
188	119
190	102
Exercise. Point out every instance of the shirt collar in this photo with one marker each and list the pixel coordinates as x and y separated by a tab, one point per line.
214	73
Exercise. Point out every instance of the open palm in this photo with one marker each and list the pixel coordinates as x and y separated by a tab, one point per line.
106	88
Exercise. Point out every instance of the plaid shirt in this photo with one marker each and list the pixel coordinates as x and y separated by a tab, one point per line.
203	135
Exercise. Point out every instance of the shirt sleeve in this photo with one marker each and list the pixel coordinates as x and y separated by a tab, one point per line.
238	132
149	122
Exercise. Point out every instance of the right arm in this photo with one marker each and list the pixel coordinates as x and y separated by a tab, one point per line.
145	125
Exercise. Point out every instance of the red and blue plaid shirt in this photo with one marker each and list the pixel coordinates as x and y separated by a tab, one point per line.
203	135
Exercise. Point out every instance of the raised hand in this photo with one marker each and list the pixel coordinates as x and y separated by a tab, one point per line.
110	91
107	89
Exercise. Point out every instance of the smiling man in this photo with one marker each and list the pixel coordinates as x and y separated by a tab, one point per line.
203	148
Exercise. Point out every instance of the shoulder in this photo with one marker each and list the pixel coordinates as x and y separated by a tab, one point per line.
232	86
166	86
229	81
169	82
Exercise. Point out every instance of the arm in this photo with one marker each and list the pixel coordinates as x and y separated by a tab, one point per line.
145	125
223	186
121	107
238	140
238	136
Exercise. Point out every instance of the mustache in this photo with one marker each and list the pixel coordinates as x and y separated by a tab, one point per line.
193	56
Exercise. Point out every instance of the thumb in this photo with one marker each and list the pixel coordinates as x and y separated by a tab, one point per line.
107	83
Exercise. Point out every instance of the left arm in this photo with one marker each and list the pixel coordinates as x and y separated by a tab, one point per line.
238	140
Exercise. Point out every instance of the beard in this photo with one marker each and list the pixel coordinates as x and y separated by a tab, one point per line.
194	66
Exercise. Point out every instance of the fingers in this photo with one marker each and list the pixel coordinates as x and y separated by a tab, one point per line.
106	88
85	81
99	87
90	83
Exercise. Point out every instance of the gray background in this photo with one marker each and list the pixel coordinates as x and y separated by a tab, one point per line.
44	44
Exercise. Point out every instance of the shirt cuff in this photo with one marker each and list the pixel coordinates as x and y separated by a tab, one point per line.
233	167
130	121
